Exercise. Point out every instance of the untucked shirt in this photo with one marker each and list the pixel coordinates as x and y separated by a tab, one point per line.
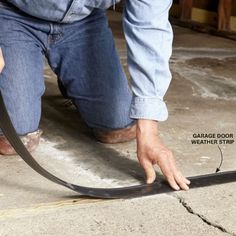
148	35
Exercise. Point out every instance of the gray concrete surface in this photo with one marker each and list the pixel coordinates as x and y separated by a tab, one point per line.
201	99
160	215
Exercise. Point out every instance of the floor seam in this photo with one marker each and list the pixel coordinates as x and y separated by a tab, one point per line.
183	202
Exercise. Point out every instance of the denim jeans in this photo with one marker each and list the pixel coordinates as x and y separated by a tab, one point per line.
84	58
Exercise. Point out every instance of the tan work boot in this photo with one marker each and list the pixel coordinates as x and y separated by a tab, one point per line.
30	140
116	136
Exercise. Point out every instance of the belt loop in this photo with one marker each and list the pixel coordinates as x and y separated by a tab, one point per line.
51	28
114	5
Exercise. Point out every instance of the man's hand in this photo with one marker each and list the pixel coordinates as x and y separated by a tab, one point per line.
2	63
152	151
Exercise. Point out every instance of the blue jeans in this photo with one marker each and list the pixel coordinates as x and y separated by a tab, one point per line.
84	58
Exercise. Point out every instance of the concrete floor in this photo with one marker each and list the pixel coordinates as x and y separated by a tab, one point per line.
201	99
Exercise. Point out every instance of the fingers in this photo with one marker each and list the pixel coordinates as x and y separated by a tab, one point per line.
172	182
181	181
177	181
150	172
154	152
2	64
188	182
174	177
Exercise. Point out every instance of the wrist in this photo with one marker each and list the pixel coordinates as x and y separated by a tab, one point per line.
146	127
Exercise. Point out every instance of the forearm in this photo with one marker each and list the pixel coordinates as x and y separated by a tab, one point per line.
149	42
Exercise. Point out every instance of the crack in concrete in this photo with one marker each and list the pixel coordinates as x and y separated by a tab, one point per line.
202	217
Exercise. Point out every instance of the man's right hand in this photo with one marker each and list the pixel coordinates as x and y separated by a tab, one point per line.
2	63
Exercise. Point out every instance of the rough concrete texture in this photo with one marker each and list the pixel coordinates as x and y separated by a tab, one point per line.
201	99
128	217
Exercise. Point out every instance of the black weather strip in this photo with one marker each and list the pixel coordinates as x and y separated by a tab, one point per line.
125	192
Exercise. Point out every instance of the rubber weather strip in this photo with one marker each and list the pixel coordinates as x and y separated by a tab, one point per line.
123	192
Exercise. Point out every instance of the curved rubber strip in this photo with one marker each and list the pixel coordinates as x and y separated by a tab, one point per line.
125	192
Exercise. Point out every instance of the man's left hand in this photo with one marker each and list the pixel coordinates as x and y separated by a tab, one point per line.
151	151
2	63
